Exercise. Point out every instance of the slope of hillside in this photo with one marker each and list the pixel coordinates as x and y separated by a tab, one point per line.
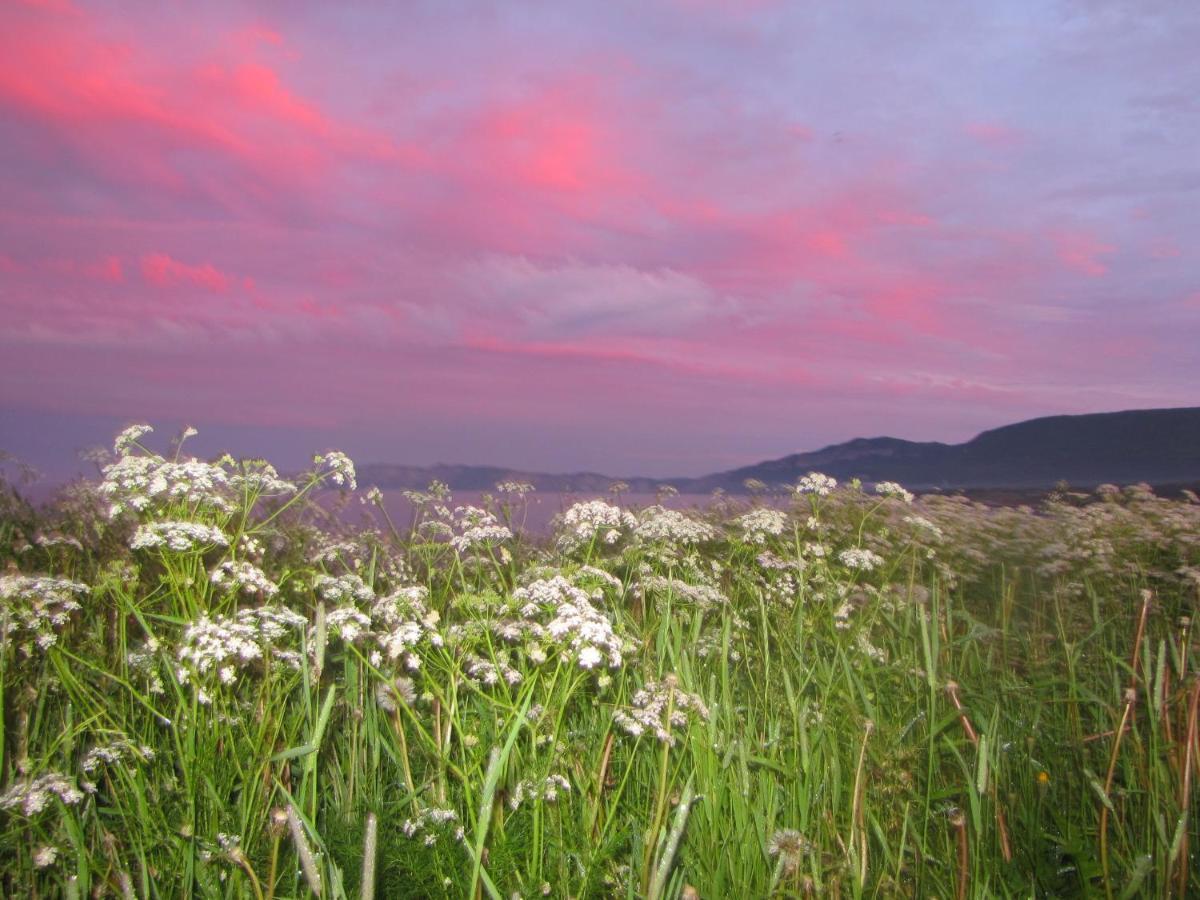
1161	446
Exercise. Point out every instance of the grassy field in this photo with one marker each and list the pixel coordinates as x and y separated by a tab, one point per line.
212	686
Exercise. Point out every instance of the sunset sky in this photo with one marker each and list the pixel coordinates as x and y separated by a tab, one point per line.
628	236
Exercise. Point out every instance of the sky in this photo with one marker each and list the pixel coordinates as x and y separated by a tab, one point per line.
659	238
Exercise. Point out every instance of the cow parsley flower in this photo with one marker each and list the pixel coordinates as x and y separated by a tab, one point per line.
129	437
557	612
477	527
228	645
37	607
343	589
659	524
660	709
260	477
520	488
816	483
340	468
892	489
431	824
31	797
545	789
759	524
245	577
860	558
114	754
135	482
594	518
178	536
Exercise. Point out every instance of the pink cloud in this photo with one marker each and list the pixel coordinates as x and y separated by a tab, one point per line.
995	134
161	270
1082	252
107	269
1164	248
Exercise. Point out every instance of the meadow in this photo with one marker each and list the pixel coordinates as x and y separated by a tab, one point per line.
213	686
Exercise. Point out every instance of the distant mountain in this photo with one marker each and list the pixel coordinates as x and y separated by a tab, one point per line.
1159	446
485	478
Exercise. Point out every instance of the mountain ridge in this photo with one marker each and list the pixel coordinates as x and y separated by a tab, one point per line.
1160	446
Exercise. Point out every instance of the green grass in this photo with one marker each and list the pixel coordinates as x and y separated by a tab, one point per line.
1004	706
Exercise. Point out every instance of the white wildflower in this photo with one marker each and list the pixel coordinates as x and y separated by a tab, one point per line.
340	467
554	610
260	477
477	527
661	708
860	558
348	623
343	589
245	577
658	523
225	645
759	524
520	488
584	521
31	797
37	607
178	536
924	523
115	753
816	483
892	489
129	437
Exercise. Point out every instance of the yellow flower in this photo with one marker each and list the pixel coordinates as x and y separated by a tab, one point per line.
1043	777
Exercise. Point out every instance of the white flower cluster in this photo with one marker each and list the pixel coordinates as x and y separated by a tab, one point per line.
136	482
129	437
35	606
343	589
591	574
520	488
402	620
554	608
260	477
704	596
860	558
45	856
349	623
340	467
178	536
31	797
924	523
430	822
659	524
487	672
584	521
892	489
477	527
115	754
545	789
396	623
760	524
816	483
245	577
227	644
660	708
